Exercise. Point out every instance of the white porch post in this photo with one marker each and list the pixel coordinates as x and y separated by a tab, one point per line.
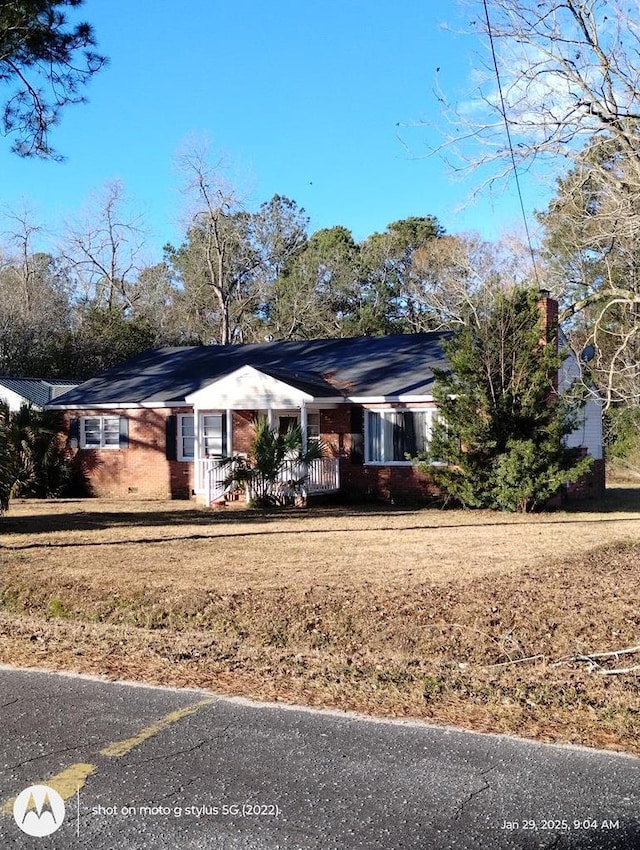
271	417
199	483
303	425
229	446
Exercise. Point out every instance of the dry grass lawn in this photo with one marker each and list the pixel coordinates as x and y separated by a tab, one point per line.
421	613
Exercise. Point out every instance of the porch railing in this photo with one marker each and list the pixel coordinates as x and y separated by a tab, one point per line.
322	476
215	478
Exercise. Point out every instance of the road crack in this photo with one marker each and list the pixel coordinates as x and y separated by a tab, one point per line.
473	794
42	756
172	754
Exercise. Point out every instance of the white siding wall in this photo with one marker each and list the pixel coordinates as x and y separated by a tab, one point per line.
589	430
14	400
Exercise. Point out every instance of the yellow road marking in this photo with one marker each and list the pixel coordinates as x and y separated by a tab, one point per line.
66	783
70	780
121	748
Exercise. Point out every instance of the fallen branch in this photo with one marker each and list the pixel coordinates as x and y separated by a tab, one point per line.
515	661
629	650
593	659
620	671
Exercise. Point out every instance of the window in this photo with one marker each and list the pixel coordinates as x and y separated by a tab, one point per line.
100	432
212	435
291	421
285	423
313	427
391	435
186	437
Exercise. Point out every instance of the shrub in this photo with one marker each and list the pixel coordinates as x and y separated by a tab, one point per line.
34	460
275	470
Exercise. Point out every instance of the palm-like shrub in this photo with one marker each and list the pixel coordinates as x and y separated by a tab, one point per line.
276	469
33	456
8	466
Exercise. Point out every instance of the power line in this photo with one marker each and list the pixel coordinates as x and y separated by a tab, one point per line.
513	157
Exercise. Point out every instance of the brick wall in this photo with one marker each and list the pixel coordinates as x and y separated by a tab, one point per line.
335	430
343	429
591	485
142	470
390	483
242	430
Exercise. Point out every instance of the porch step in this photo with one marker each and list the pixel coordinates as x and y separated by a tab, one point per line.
201	499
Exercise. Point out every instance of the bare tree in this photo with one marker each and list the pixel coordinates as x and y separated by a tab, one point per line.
592	259
569	72
218	259
34	297
570	95
104	249
21	263
452	277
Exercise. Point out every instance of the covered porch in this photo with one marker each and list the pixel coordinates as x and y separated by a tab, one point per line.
320	476
223	414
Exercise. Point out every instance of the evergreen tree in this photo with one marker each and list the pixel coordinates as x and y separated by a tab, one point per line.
45	62
499	435
8	464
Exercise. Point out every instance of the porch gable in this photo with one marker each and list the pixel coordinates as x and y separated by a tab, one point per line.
248	388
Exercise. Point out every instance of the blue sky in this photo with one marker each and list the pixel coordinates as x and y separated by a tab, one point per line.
314	101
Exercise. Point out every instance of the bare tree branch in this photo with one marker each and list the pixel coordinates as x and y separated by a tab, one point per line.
104	249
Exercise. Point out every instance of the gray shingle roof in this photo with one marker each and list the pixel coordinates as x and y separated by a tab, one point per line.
39	391
400	364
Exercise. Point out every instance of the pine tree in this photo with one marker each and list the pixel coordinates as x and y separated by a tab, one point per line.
498	440
45	62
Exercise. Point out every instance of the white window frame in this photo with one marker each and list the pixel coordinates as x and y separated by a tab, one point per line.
313	438
430	413
101	445
180	437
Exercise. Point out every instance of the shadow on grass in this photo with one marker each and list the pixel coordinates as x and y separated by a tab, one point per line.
255	523
615	500
89	518
86	519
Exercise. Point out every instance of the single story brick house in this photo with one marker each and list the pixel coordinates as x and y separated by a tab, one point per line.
156	425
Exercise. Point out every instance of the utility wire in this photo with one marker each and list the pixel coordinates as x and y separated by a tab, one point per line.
513	157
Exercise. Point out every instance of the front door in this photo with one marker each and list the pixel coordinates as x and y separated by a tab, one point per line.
287	422
212	444
212	440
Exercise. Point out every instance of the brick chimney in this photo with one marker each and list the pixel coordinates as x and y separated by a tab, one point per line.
549	310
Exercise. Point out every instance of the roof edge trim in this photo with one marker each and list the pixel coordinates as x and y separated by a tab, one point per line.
117	405
382	399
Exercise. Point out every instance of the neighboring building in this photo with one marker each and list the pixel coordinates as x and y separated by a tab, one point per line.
154	427
588	435
37	392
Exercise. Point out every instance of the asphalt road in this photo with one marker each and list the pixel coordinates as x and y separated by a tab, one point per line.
155	768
